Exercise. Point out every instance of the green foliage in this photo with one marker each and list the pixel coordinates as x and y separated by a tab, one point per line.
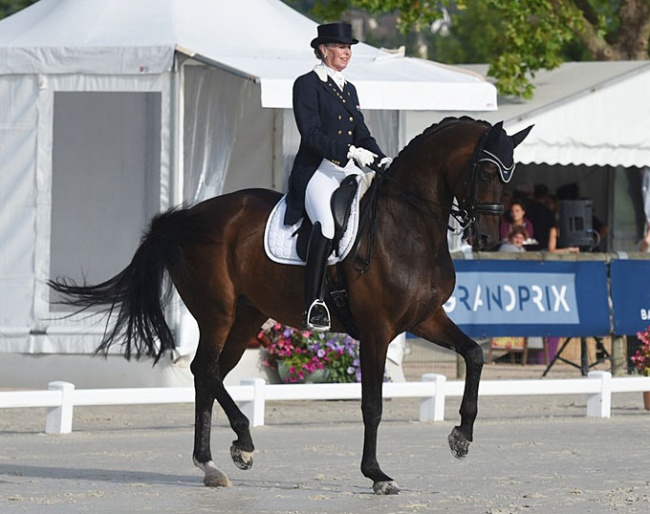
516	37
534	35
8	7
411	14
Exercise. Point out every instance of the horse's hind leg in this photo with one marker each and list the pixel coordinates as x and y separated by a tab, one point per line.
442	331
247	322
206	386
210	366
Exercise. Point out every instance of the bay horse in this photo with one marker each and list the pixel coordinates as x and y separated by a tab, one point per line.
214	254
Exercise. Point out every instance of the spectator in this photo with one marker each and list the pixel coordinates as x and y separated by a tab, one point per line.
516	239
542	218
517	218
553	240
645	242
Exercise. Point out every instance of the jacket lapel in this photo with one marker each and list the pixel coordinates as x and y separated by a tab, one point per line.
341	96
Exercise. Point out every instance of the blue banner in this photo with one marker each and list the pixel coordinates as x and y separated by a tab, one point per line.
630	296
530	298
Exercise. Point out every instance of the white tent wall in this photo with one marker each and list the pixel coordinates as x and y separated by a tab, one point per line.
18	218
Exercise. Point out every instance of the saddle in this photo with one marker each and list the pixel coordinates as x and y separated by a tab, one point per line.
288	244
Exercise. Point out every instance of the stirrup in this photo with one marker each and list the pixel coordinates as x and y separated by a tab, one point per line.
317	317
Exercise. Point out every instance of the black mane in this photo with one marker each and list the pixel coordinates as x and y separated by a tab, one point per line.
436	127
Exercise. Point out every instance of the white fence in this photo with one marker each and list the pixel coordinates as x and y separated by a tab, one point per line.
252	395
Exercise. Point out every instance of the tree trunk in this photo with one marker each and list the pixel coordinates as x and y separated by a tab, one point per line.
634	22
631	41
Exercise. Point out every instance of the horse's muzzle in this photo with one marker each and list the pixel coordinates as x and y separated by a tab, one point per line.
482	243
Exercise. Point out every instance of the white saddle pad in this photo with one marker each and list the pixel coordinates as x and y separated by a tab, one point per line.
280	243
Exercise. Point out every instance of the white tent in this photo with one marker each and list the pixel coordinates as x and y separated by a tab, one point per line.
585	113
112	110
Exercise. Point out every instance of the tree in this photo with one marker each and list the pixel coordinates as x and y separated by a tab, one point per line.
523	36
8	7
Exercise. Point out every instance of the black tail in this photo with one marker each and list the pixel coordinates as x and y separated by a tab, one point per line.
137	296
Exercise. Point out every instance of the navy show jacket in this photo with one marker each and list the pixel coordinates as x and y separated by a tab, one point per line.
329	121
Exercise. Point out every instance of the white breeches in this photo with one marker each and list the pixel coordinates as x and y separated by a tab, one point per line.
326	179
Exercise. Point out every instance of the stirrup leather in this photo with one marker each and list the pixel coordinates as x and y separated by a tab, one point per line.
321	316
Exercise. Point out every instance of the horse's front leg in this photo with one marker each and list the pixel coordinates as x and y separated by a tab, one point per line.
442	331
373	361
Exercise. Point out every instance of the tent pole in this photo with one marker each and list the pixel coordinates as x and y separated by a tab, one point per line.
176	129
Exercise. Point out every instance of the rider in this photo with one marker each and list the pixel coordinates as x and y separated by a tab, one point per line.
335	142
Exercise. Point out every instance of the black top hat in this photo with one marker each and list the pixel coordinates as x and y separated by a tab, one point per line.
334	33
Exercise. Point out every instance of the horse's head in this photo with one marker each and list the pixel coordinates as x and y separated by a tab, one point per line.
492	166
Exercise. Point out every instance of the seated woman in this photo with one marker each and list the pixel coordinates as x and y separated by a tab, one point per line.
516	239
517	218
553	243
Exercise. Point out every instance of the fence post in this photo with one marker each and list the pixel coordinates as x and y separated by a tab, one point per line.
432	408
599	405
254	410
59	418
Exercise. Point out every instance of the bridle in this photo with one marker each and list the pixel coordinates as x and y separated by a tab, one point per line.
467	211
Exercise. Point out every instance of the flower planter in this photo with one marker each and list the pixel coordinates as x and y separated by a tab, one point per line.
317	377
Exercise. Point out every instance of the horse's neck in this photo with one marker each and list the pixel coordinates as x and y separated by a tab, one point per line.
417	204
426	189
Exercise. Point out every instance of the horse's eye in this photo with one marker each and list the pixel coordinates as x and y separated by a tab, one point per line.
487	172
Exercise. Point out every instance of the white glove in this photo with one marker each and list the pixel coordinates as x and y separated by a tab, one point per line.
361	156
385	163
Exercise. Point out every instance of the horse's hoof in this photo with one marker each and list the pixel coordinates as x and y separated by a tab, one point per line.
213	477
389	487
241	458
216	478
458	443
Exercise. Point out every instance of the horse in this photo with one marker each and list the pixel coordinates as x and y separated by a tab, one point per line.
397	279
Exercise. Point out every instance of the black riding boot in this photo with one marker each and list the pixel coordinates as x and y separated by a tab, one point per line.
317	316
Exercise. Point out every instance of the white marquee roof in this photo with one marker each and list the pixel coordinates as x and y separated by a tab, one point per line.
591	113
264	40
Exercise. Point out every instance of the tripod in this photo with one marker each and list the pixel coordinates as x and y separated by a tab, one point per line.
601	356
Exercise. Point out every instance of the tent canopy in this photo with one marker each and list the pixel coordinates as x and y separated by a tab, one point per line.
122	37
589	113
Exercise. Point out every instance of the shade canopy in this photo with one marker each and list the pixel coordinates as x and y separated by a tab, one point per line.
585	113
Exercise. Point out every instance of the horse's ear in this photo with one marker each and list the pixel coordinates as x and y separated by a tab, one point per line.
520	136
494	134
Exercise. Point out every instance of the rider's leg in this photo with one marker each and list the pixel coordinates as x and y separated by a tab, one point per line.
317	204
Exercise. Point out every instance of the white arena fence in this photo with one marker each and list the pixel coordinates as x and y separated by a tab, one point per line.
252	395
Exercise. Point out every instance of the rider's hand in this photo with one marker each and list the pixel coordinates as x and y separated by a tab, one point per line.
361	156
385	163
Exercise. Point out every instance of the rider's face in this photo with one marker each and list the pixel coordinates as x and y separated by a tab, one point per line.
337	55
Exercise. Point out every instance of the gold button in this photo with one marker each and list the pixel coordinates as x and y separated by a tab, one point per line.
351	118
341	117
340	132
349	132
343	101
